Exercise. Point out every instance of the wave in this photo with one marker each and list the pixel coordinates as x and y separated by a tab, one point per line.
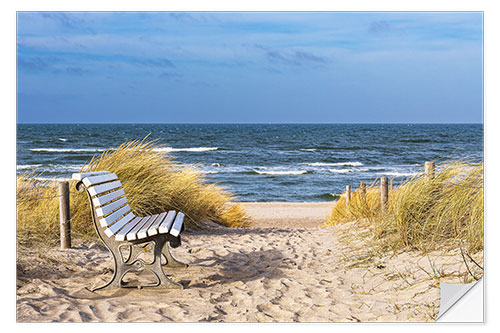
308	149
329	196
195	149
63	139
281	172
416	140
353	164
52	179
94	150
50	167
27	166
67	150
340	170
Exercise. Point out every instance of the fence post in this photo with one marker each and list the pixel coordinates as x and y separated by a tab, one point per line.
64	215
384	193
347	195
362	189
429	169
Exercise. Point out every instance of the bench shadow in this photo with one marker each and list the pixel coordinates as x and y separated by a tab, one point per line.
243	266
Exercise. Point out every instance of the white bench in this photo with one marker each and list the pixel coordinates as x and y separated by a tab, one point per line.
120	229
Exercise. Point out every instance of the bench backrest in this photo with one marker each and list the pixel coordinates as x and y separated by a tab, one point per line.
108	198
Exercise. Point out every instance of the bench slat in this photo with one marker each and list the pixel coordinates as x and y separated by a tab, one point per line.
153	229
177	227
89	181
110	219
132	234
143	233
103	210
98	189
81	175
167	223
120	236
119	224
104	199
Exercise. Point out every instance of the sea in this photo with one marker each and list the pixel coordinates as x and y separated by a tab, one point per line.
261	162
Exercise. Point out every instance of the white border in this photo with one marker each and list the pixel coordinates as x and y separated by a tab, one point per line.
491	114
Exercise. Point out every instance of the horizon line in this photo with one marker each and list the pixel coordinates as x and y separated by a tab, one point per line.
254	123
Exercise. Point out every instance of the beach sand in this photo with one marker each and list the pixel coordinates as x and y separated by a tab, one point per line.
285	268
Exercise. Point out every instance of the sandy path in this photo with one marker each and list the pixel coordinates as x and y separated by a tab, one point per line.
243	275
288	214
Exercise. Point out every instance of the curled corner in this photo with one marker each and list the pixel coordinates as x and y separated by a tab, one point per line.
461	302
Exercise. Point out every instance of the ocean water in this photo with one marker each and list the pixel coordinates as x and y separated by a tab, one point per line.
262	162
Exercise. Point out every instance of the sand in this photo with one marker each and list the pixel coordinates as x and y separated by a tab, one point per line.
286	268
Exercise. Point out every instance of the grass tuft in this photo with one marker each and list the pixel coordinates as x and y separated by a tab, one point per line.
152	182
424	212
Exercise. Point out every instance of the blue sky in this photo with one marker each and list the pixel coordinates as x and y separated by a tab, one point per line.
279	67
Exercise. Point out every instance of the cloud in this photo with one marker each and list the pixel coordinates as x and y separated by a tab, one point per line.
379	26
170	75
68	21
158	62
306	56
78	71
294	58
36	64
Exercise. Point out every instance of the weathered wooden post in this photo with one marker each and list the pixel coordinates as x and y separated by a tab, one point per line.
347	195
429	169
384	193
362	190
64	215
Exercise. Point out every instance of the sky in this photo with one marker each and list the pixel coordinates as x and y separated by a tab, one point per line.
249	67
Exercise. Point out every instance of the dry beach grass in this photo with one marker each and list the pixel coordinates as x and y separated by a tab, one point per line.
424	212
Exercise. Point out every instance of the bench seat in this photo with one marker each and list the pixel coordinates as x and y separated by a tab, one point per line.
114	213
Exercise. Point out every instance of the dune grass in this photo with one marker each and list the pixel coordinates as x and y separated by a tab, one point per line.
424	212
152	181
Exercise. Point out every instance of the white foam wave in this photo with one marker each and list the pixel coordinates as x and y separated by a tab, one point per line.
207	171
284	172
353	164
67	150
27	166
340	170
49	179
50	167
195	149
63	139
308	149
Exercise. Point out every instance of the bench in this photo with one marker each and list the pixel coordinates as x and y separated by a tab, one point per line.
127	236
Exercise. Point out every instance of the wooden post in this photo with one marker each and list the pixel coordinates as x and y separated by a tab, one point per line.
429	169
64	215
347	195
362	189
384	193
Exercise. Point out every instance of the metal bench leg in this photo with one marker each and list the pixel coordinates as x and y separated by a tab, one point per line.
164	281
171	261
118	272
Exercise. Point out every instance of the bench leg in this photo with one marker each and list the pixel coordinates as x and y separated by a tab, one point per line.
134	264
171	261
156	269
118	271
